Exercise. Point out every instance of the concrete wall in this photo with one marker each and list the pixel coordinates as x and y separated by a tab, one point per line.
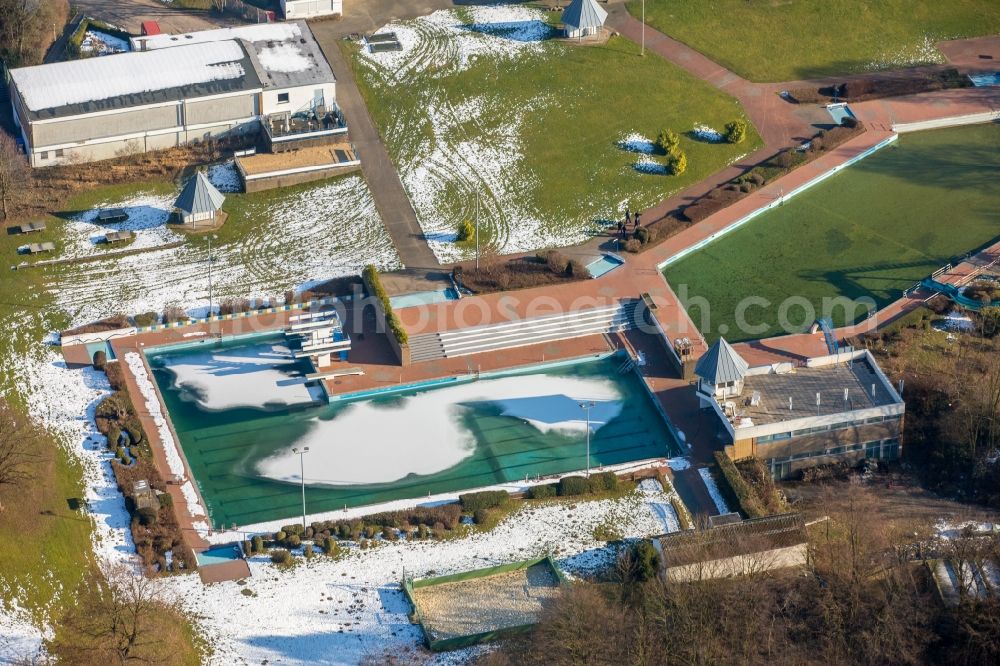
740	565
79	129
297	97
221	109
297	9
259	184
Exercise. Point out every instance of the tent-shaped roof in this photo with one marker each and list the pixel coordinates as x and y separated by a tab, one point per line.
199	196
584	14
721	364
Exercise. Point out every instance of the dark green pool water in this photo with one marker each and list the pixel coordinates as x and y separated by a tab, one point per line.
224	448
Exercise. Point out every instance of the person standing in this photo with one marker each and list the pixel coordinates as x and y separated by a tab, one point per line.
636	221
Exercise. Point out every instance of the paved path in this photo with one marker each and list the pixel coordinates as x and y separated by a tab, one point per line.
387	189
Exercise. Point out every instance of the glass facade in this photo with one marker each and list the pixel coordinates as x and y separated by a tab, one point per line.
882	449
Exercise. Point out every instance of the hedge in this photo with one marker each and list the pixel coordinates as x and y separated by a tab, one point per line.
573	485
374	283
543	491
746	497
486	499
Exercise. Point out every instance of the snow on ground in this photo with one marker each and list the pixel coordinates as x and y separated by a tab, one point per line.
659	503
224	177
96	42
922	52
637	143
344	610
147	220
713	490
706	133
448	163
311	235
20	639
948	530
646	164
153	408
956	320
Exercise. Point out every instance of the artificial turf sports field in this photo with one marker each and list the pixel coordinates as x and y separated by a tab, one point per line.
870	231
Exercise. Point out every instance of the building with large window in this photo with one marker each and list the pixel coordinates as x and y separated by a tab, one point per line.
174	89
799	415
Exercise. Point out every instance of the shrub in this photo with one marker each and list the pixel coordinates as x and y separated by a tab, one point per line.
677	164
647	560
543	491
643	235
573	485
756	178
466	230
344	531
556	261
486	499
147	319
422	531
603	481
389	533
667	141
682	516
438	531
100	360
234	306
745	496
247	546
746	187
116	377
632	245
370	531
849	122
816	144
173	314
281	535
281	556
374	283
258	544
575	269
293	541
147	516
307	551
736	131
456	274
292	529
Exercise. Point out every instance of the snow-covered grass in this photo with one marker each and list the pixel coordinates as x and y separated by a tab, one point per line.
706	133
273	241
480	106
148	212
96	42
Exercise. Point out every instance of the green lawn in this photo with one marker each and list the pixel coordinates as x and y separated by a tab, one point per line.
534	130
784	40
869	232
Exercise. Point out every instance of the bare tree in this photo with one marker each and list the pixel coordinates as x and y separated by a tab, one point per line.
16	450
15	175
117	620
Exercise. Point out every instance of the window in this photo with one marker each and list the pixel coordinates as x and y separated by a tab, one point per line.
59	152
282	98
890	449
44	155
873	450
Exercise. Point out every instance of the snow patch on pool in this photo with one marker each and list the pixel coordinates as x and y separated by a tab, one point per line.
255	376
374	442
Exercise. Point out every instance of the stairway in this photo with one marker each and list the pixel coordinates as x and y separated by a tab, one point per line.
524	332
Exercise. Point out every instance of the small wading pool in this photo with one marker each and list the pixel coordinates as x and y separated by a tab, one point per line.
987	79
423	298
218	555
838	112
606	263
464	434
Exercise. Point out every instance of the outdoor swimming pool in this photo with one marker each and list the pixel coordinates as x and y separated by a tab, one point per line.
219	555
838	112
988	79
606	263
423	298
462	435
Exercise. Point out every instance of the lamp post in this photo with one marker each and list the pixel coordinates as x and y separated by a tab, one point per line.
643	49
302	477
477	231
586	407
210	260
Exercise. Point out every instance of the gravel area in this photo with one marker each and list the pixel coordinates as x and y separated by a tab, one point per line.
486	604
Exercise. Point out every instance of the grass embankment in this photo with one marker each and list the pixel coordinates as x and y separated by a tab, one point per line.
869	232
785	41
554	116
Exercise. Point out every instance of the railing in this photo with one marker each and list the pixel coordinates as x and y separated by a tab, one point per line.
310	120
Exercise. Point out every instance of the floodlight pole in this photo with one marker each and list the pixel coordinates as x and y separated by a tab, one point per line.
643	49
210	308
302	476
586	406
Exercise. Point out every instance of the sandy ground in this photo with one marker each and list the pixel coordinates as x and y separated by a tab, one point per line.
129	14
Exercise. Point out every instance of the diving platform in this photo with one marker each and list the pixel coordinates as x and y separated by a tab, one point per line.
317	336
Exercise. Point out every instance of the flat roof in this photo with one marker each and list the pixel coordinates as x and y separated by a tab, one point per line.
802	385
285	54
125	80
330	155
743	538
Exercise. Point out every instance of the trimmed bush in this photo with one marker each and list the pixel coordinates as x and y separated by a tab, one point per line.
281	556
147	319
736	131
643	235
573	485
632	245
374	284
543	491
667	141
100	360
247	548
602	482
677	164
575	269
422	531
466	230
486	499
257	544
647	560
292	529
389	533
307	551
556	261
294	541
281	535
344	531
746	497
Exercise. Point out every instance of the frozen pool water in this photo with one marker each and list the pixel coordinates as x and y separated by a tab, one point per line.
218	555
418	440
423	298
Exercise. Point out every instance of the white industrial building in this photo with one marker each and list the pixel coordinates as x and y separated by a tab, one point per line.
301	9
174	89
